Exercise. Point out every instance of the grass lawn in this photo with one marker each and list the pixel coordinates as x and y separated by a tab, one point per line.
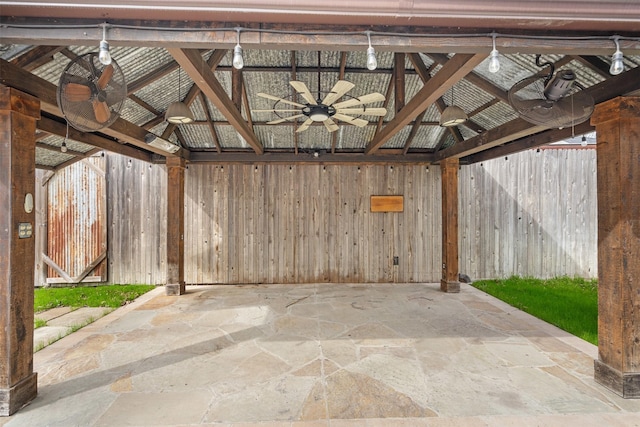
110	297
113	296
570	304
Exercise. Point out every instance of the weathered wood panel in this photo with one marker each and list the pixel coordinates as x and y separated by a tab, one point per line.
137	215
76	223
532	214
308	223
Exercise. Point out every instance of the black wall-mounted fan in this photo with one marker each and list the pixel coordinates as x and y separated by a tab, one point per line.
552	100
91	94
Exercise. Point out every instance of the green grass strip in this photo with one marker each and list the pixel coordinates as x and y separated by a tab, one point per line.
113	296
568	303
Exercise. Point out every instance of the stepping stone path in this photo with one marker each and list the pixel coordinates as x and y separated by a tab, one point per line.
61	321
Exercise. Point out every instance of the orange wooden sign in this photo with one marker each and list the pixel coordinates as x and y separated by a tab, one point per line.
387	203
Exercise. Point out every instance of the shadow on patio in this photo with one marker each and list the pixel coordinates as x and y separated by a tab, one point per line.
326	354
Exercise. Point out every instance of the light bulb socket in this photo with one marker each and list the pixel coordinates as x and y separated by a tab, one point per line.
238	61
103	53
617	65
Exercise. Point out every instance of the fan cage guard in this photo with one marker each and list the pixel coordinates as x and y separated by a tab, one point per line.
86	70
528	100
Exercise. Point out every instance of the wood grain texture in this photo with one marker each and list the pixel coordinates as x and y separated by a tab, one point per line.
18	114
510	220
387	203
618	128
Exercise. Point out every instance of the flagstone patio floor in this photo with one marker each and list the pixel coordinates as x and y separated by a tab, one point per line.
316	355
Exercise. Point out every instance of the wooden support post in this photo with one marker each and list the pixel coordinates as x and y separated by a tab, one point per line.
617	125
175	226
18	115
449	170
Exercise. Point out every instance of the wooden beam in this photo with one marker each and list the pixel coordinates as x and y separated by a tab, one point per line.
459	66
121	129
54	127
151	77
425	76
36	57
594	64
528	142
212	63
236	88
411	40
212	129
519	128
398	77
450	257
476	80
245	157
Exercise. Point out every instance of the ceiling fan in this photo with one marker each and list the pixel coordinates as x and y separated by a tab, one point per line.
325	109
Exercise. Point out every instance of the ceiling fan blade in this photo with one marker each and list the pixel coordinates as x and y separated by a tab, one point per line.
338	90
305	125
275	111
352	120
365	111
303	90
364	99
76	92
101	111
284	119
275	98
330	125
105	77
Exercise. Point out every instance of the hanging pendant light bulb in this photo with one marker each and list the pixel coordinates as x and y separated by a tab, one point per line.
178	112
103	52
372	62
238	61
494	60
617	65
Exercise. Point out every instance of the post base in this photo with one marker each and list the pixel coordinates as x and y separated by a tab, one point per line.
450	287
626	385
175	289
14	398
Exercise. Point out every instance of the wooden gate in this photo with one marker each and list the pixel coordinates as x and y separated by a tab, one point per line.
76	247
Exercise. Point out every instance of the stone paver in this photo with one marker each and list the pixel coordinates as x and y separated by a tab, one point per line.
321	355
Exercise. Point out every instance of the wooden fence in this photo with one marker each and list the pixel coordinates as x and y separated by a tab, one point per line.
531	214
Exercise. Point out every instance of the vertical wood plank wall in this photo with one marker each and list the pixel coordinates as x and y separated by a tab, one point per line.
137	218
532	214
309	223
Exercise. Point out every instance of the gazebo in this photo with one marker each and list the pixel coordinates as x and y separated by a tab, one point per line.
275	84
